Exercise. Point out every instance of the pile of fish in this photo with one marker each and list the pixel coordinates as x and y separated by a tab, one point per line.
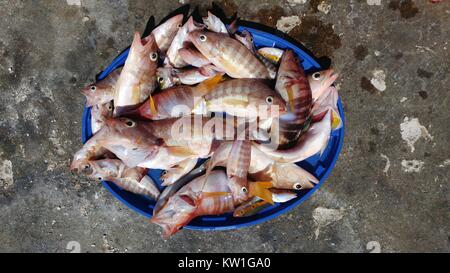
192	91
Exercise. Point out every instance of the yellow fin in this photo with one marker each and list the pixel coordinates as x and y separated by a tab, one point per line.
215	194
152	105
290	94
208	85
260	189
336	121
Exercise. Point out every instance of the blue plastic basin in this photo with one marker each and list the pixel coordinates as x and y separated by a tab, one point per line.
320	166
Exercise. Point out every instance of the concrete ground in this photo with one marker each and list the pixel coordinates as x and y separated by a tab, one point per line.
389	191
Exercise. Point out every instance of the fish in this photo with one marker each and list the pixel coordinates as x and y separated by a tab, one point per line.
246	38
165	33
237	169
320	81
272	54
174	187
91	150
132	141
228	55
186	138
256	204
202	196
173	58
138	77
166	77
102	91
98	115
245	98
170	176
192	56
314	141
251	207
288	176
213	23
292	84
238	97
328	101
235	156
133	180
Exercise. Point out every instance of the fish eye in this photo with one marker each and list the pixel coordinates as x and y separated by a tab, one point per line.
297	186
316	76
154	56
93	88
99	178
203	38
163	173
130	123
269	99
244	190
110	107
180	25
160	79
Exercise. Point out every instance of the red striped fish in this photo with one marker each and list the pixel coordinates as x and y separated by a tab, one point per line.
228	54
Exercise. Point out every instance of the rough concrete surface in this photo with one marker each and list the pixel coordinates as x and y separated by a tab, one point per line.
389	191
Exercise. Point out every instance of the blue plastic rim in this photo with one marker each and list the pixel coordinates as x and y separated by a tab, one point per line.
320	166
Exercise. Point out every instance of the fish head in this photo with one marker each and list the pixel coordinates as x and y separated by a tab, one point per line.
165	77
171	26
239	189
175	214
96	91
130	140
102	169
321	80
208	43
144	52
246	38
270	104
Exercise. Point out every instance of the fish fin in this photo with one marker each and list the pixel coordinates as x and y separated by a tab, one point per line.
215	194
180	151
260	189
208	85
290	94
151	102
336	121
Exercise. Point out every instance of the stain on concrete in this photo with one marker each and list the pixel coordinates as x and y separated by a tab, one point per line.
368	86
270	16
424	74
229	7
423	94
411	131
407	8
6	175
360	52
412	166
324	217
317	36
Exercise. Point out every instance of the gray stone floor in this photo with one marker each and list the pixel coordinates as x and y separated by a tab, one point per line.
388	192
